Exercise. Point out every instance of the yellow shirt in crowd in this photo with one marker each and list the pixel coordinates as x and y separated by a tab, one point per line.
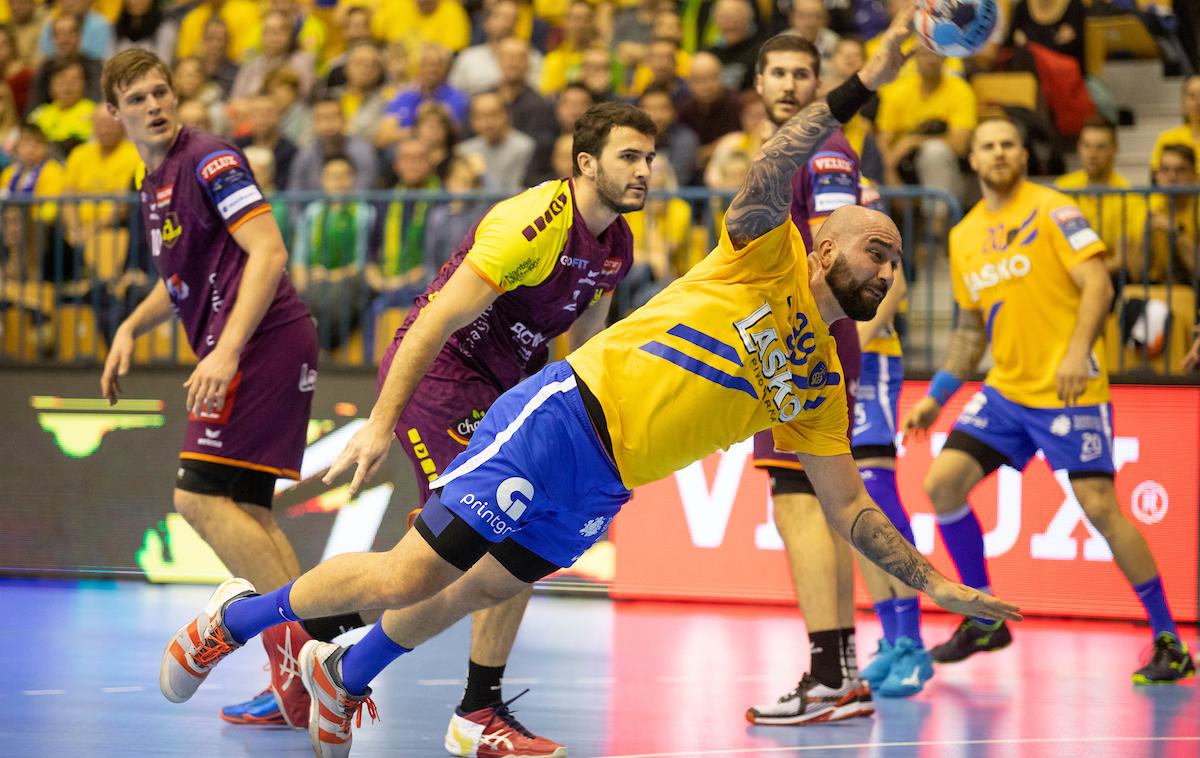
399	20
241	16
1012	266
733	347
902	107
91	172
1179	135
1121	219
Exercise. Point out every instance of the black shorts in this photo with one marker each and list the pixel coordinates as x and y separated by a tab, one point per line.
462	547
789	481
242	485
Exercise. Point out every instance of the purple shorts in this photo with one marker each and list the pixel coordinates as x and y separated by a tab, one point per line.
264	423
441	416
845	334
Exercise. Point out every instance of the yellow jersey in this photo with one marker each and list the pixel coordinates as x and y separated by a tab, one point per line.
1179	135
1012	265
733	347
1120	219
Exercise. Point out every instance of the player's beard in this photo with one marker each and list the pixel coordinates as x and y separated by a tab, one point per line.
1003	183
612	193
778	117
857	300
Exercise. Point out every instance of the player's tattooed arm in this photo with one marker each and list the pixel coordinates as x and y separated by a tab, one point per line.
765	198
873	535
967	344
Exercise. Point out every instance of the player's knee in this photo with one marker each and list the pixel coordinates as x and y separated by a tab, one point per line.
1099	502
943	491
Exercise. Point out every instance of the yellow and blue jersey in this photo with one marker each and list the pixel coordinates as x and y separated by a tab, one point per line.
1013	266
733	347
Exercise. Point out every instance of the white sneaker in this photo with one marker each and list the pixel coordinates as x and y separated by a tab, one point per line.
814	703
200	644
333	707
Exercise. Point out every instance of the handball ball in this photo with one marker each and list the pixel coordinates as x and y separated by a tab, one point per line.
955	28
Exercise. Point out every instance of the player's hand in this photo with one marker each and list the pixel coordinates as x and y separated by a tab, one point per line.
1192	359
210	381
1071	380
367	450
116	365
884	66
958	598
921	417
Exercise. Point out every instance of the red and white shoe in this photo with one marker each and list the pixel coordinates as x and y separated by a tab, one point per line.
814	703
333	708
494	732
200	644
283	644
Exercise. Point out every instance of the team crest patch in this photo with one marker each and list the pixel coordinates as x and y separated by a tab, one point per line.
1074	226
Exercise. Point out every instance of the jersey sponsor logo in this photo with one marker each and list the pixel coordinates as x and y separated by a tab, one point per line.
1061	425
772	357
525	336
570	262
992	273
239	200
177	288
308	378
611	266
211	438
514	277
465	427
593	527
507	496
1074	226
163	197
539	224
171	229
832	163
215	163
483	509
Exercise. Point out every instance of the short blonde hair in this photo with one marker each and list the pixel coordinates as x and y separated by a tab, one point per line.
126	67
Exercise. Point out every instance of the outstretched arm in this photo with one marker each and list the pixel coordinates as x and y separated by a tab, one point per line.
765	197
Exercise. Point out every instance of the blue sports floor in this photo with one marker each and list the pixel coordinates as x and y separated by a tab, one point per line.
79	663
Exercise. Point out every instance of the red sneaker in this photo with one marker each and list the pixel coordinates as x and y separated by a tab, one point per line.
494	732
283	643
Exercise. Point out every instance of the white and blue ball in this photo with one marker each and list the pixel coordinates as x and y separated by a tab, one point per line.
955	28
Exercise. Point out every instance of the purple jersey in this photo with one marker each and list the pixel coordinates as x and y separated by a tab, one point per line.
191	205
537	252
828	181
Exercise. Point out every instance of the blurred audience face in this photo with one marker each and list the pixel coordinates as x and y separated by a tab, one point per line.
106	129
276	35
561	158
1191	99
328	120
733	19
809	18
214	44
31	150
595	70
512	55
929	63
396	62
337	177
432	66
357	26
264	116
193	113
76	8
412	164
189	78
66	86
21	10
262	166
433	127
571	104
364	67
285	93
1174	170
753	113
577	23
848	58
732	171
660	108
65	33
668	25
138	7
461	177
661	61
704	80
489	117
1097	152
787	84
501	20
427	6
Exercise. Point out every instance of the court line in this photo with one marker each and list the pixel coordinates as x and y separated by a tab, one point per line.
43	692
115	690
916	743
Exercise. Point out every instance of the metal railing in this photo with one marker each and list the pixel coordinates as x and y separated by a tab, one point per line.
74	267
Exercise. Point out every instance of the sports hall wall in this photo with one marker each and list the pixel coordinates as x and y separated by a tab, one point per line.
89	495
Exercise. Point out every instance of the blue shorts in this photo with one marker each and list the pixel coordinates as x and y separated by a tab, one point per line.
877	402
1075	438
535	472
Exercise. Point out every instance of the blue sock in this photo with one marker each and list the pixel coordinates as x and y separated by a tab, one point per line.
364	659
881	486
964	540
886	612
249	616
908	619
1150	592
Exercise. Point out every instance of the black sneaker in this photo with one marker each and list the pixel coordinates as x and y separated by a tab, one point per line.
971	638
1170	662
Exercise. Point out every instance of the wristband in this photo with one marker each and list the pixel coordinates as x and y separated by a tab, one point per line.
943	386
845	99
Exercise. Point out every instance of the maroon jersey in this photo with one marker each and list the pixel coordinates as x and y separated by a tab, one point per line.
191	205
535	250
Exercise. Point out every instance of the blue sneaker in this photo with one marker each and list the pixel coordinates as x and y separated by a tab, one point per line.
261	710
912	666
881	666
